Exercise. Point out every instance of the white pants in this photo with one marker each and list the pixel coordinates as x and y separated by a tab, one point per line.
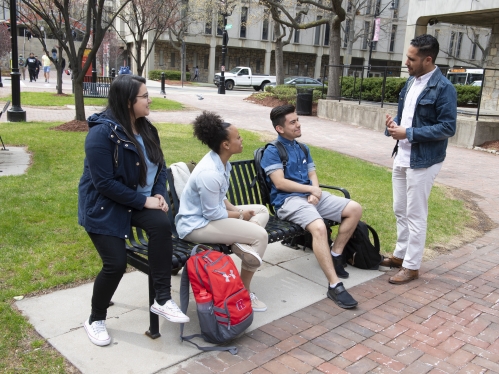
411	190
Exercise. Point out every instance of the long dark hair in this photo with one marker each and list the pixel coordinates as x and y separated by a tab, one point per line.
122	95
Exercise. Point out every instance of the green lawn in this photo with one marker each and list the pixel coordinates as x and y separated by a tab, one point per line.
42	246
48	99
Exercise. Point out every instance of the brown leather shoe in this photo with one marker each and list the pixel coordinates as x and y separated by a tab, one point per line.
404	276
392	262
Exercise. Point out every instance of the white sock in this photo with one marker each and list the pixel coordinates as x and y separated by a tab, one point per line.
335	254
333	285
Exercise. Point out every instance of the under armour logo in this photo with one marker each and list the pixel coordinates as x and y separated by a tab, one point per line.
227	276
240	304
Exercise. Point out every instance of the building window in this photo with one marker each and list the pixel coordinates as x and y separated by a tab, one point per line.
244	18
326	34
265	28
305	70
369	5
347	32
378	7
217	63
349	6
395	8
317	38
207	27
238	61
161	58
258	62
220	25
451	42
458	43
297	69
172	60
473	48
392	38
366	34
286	67
297	32
206	61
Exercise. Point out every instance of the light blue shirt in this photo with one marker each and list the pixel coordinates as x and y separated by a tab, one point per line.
152	169
202	200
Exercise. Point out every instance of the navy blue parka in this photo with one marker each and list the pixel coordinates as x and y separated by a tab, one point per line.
107	193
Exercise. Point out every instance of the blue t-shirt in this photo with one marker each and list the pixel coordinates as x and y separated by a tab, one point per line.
152	170
297	169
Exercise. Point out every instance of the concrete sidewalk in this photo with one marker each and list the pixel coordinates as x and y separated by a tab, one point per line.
447	321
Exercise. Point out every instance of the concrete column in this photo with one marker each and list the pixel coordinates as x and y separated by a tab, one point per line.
318	63
268	56
151	61
211	60
490	92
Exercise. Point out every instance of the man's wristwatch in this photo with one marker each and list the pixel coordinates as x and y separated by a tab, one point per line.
241	215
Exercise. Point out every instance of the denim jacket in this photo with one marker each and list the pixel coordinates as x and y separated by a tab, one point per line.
107	192
433	123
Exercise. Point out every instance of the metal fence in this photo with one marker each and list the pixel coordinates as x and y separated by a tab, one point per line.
359	73
98	89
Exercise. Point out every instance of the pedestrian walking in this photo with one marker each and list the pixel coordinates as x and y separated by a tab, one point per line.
31	64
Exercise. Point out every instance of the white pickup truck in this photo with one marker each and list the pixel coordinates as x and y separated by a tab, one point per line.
241	76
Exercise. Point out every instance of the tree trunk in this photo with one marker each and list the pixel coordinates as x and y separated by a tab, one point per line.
59	71
79	100
279	55
138	49
333	88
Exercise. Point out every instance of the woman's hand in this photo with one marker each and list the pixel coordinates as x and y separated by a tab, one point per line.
247	214
156	202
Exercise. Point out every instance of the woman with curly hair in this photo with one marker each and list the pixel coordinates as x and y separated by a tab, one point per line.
206	216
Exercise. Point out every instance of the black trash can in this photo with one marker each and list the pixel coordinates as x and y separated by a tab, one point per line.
304	97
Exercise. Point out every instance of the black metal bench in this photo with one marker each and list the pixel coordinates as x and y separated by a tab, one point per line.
242	191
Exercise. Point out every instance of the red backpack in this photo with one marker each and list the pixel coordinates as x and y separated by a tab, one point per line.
223	304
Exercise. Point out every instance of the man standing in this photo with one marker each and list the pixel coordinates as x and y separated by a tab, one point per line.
297	197
31	64
196	74
426	118
38	66
46	66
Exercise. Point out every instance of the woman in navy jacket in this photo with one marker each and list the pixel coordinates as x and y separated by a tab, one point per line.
124	184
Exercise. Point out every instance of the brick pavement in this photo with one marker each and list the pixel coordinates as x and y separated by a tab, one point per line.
447	321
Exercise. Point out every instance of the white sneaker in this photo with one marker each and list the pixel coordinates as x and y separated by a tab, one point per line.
97	332
246	254
170	311
257	305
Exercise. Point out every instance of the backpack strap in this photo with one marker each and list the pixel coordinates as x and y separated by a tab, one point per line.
375	237
184	304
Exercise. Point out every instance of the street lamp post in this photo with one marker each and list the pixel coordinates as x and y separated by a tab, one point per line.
221	86
94	59
377	13
16	113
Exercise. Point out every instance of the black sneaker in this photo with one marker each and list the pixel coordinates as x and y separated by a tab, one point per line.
341	297
338	267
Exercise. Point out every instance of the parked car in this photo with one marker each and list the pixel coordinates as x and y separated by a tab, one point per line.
476	83
302	82
242	76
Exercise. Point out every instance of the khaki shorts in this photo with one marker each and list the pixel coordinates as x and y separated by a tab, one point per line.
298	210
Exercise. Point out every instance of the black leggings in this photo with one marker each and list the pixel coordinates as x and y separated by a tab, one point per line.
113	254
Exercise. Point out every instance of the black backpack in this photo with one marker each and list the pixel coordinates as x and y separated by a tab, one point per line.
264	185
360	252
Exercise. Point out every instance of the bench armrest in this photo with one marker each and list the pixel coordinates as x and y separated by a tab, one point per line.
344	191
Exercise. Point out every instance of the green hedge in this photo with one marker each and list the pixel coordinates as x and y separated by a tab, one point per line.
172	75
467	94
372	87
288	93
